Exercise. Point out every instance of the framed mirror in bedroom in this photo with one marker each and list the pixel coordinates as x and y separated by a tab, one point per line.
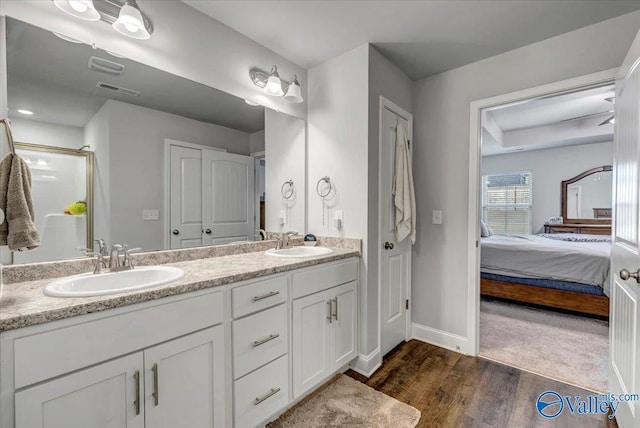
586	198
62	191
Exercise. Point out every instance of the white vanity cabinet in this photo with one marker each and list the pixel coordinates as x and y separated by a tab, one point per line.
178	383
324	324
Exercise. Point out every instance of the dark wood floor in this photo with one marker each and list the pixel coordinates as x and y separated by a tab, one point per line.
454	390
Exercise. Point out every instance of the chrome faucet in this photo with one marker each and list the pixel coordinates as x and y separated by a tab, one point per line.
101	263
114	258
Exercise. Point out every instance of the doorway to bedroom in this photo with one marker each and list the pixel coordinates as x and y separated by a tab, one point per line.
545	225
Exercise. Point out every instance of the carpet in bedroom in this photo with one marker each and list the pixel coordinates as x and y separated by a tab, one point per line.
569	348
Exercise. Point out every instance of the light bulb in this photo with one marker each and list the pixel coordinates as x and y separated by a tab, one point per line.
131	27
78	6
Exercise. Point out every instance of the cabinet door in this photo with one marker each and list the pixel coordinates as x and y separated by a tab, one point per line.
102	396
345	324
311	341
184	381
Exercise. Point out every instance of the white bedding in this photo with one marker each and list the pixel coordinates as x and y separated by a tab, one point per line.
532	256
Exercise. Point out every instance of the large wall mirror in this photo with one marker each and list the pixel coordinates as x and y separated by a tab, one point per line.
586	198
174	163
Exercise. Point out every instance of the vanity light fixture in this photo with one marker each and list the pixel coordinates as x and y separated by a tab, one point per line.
251	103
124	16
25	112
271	84
82	9
294	94
130	21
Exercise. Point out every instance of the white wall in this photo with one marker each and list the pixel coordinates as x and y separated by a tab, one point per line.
550	167
441	156
136	160
337	147
284	139
47	134
185	42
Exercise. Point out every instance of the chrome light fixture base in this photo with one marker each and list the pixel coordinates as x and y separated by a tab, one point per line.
109	11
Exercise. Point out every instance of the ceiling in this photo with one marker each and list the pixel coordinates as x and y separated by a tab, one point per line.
549	122
54	81
421	37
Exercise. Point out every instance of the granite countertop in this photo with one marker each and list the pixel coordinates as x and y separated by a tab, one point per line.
23	304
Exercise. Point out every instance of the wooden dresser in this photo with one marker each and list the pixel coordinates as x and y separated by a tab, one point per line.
591	229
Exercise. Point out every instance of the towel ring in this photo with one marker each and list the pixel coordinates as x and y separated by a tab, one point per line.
7	128
287	189
327	180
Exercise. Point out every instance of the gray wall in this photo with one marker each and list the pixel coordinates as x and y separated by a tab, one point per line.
47	134
550	167
136	158
387	80
441	154
284	140
185	42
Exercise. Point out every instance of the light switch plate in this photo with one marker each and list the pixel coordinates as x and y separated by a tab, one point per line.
283	218
149	215
437	217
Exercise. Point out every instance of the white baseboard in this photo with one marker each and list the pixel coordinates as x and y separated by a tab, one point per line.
366	365
440	338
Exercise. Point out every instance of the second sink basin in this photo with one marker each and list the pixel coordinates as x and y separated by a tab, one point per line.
299	252
89	284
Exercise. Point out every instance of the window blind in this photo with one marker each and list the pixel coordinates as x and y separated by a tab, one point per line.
506	201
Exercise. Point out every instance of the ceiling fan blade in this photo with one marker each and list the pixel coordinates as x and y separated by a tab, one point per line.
608	120
587	116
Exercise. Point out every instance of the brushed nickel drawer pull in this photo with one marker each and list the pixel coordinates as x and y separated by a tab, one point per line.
335	311
330	303
136	402
257	343
155	394
271	393
265	296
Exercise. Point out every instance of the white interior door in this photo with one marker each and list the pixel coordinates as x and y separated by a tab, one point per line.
185	197
228	197
624	334
395	258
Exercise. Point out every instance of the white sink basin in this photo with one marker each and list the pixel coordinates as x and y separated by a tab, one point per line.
89	284
299	252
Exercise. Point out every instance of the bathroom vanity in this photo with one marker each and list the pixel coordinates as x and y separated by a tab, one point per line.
235	342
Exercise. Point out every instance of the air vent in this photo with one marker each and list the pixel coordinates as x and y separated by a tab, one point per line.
106	66
118	89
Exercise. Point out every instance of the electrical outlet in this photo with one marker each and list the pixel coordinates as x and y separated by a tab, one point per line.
283	217
338	219
437	217
148	215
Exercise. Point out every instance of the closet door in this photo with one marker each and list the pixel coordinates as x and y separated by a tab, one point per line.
228	197
185	196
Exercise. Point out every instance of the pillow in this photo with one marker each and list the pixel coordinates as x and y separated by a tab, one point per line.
484	229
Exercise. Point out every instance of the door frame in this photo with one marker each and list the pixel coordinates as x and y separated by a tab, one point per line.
388	104
168	142
475	197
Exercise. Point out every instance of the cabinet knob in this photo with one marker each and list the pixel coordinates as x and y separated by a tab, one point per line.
176	232
208	231
388	246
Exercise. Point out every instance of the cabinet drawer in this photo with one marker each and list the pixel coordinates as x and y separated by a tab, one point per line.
258	339
258	296
261	394
323	277
52	353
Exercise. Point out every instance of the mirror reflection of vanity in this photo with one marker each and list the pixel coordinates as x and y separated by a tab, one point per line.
586	203
175	164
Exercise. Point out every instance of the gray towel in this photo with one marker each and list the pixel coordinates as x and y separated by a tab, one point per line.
18	231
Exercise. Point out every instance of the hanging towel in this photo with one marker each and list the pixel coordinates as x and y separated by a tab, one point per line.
18	231
403	192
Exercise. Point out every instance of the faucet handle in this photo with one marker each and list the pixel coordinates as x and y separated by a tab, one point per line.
127	257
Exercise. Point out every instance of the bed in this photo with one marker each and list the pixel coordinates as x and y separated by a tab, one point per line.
563	271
